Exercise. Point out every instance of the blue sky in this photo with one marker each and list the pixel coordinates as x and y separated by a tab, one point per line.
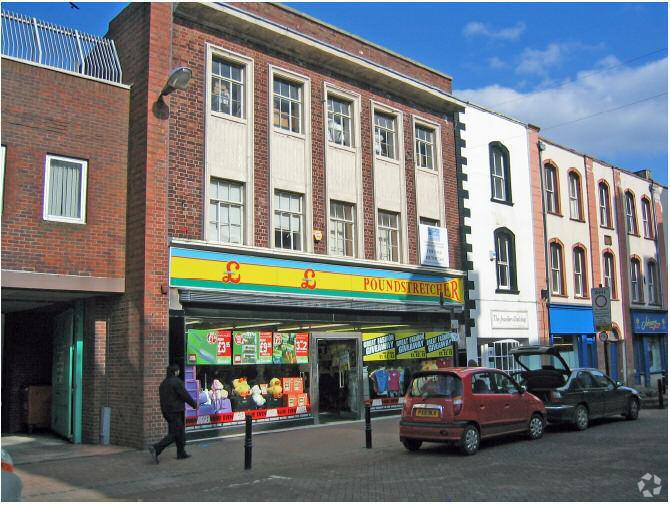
545	63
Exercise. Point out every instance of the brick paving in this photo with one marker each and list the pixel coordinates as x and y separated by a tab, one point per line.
330	463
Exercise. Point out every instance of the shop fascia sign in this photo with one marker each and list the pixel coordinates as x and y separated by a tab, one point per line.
509	319
198	269
645	322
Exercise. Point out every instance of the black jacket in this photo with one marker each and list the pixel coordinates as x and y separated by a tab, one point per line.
173	395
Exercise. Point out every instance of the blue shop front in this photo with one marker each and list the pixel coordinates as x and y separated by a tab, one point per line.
650	342
573	331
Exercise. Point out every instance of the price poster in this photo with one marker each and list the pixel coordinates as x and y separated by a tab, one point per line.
209	347
378	346
283	348
265	347
410	345
301	347
245	347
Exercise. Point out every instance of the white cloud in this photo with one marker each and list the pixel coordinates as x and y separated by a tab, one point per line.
537	62
476	28
496	63
640	128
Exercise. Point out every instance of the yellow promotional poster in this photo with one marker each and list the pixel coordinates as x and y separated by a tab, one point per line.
410	344
439	344
224	271
378	346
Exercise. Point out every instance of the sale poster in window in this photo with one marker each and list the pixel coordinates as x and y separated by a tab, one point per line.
302	347
265	347
283	348
245	347
208	347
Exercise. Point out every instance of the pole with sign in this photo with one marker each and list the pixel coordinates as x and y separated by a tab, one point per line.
602	317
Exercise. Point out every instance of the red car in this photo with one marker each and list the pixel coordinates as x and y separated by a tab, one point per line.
465	405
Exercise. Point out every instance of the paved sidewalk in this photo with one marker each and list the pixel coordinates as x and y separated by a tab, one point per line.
330	463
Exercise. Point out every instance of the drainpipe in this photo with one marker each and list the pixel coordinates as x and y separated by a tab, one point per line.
541	147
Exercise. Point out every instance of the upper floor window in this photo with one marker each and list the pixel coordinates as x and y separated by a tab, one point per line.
288	220
389	231
556	261
631	218
505	259
575	195
65	189
652	283
429	222
385	135
647	222
605	205
225	211
287	105
579	269
339	121
227	87
636	281
551	189
425	147
342	228
501	188
609	273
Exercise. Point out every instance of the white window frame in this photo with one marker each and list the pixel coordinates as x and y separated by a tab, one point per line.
82	190
579	270
231	82
499	177
575	196
393	132
652	284
631	218
503	244
279	212
605	214
300	101
646	218
608	273
635	280
556	269
553	208
385	235
346	142
337	224
429	221
225	203
429	146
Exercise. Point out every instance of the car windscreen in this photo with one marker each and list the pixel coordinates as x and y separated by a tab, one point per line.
541	362
436	385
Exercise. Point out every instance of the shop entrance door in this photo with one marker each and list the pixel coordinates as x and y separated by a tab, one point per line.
337	384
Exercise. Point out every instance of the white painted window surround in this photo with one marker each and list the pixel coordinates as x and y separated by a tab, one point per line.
65	189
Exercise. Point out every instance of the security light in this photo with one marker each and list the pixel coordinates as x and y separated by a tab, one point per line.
178	79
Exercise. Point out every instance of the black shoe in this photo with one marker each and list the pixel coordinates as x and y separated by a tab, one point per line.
154	454
184	456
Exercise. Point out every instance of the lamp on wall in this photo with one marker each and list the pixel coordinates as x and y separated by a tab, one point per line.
179	79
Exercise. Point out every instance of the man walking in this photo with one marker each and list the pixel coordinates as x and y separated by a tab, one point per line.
173	395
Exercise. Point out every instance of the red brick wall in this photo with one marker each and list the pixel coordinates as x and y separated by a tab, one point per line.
49	112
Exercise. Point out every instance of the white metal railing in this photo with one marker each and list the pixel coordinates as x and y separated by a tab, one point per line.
30	39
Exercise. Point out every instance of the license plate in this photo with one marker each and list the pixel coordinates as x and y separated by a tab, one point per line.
427	413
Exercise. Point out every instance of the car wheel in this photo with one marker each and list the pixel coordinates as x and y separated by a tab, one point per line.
470	440
536	427
581	419
633	409
411	444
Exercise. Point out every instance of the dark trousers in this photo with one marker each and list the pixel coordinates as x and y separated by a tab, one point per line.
176	433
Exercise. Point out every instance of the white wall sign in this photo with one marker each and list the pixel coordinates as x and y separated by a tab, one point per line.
434	246
602	309
509	319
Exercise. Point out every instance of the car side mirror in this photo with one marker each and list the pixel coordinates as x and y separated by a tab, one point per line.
618	384
523	389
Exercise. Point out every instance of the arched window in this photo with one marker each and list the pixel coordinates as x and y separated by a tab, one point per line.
575	195
501	186
556	262
647	222
631	218
505	260
652	283
609	273
551	189
637	295
579	271
605	206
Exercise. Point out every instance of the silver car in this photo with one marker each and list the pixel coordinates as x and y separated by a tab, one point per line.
11	483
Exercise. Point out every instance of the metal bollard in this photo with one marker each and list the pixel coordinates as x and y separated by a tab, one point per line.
368	427
247	442
660	393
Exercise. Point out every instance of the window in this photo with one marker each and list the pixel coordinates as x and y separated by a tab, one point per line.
287	105
425	150
429	222
505	259
556	259
652	283
601	380
646	219
227	87
605	208
3	150
636	281
503	384
500	175
481	383
341	229
551	189
655	355
575	195
225	211
609	273
631	219
339	121
65	189
288	221
585	380
579	265
388	236
385	135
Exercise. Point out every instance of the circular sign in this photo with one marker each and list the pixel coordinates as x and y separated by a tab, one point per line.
600	301
603	336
